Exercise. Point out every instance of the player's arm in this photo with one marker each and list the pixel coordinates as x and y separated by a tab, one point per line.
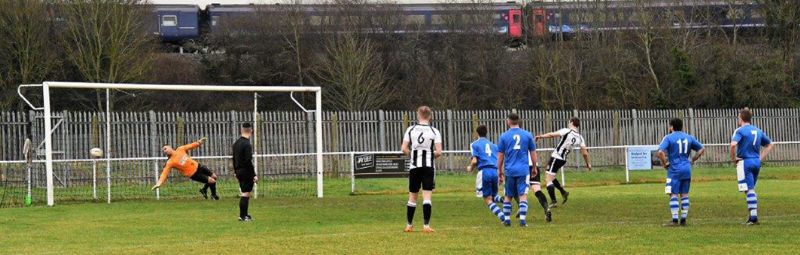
765	141
548	135
437	141
472	163
585	154
195	145
500	164
163	178
406	141
733	152
438	150
247	159
663	157
698	155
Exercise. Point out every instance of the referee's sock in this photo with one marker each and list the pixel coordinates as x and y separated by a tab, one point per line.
205	187
244	203
411	207
426	212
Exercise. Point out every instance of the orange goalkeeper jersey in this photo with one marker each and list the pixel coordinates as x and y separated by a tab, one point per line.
180	160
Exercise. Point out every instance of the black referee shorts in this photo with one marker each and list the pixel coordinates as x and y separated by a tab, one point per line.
421	177
555	164
245	183
202	174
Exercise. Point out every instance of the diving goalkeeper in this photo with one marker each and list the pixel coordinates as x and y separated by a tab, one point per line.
179	159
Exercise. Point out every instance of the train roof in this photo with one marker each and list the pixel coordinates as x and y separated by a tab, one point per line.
175	7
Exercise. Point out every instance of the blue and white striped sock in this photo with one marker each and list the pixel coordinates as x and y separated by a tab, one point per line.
752	204
523	210
674	207
496	211
684	207
507	210
498	199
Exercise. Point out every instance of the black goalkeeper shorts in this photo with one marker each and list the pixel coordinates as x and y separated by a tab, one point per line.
202	174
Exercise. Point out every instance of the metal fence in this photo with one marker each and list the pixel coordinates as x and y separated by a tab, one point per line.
141	134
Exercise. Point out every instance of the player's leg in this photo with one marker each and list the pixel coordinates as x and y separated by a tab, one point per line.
672	189
522	190
201	177
489	192
536	187
684	191
428	185
414	185
245	188
751	169
213	184
510	193
552	169
564	192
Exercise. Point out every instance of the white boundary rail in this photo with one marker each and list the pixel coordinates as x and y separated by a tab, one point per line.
47	86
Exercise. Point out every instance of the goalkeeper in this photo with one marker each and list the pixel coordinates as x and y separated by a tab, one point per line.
179	159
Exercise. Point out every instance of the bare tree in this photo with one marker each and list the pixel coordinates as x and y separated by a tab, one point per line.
353	75
107	40
25	50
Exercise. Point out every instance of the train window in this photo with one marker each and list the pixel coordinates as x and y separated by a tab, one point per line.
438	20
497	16
734	14
516	18
415	19
169	21
214	20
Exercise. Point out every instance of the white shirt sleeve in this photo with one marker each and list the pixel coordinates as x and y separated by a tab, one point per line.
583	142
406	138
563	131
438	136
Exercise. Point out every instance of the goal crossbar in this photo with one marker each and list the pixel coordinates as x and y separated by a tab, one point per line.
48	85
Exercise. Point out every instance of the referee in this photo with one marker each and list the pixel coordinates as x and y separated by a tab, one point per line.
423	144
244	170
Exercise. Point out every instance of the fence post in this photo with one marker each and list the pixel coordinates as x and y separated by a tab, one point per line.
617	136
382	129
690	121
154	145
635	120
180	130
449	137
474	126
335	141
406	121
310	127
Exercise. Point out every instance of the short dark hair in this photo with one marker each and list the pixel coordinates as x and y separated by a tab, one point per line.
746	115
514	118
247	125
481	130
575	122
676	124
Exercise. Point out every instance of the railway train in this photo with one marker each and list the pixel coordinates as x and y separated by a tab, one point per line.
178	24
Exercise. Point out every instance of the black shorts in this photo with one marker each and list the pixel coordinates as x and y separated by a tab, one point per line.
421	177
535	178
555	164
202	174
246	186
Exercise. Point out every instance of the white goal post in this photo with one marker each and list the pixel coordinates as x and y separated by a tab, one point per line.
47	86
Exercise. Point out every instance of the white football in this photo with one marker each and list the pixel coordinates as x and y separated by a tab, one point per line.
96	152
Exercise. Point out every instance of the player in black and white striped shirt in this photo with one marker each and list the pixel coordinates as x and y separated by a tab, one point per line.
423	143
570	138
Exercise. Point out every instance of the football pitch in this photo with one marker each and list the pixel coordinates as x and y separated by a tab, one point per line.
600	217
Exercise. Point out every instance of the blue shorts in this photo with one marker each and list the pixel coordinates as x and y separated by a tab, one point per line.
677	186
516	186
486	183
747	173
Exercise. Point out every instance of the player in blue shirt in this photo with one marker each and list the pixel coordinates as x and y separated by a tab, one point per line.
677	146
517	153
746	153
484	156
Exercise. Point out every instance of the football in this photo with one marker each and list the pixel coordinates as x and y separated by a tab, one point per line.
96	152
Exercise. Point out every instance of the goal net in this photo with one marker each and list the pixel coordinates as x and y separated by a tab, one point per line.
287	147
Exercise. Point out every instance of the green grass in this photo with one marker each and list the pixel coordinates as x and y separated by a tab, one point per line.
600	218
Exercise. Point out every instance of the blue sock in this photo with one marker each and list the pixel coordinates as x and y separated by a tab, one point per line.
523	211
752	204
674	207
496	211
498	199
684	207
507	210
